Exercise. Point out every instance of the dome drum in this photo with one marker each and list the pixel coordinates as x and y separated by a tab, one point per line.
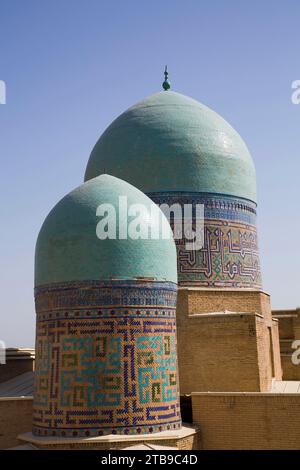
229	257
108	349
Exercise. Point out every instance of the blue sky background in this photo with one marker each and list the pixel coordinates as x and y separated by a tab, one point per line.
71	66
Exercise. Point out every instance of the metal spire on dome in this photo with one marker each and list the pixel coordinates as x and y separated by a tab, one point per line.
166	84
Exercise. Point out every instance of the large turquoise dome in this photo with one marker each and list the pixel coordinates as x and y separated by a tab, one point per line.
170	142
68	249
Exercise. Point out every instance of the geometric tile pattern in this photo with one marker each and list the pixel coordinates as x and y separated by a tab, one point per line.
229	256
107	364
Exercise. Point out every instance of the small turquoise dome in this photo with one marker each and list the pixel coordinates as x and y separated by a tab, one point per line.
68	248
170	142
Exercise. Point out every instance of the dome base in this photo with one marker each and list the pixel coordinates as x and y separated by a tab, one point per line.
185	438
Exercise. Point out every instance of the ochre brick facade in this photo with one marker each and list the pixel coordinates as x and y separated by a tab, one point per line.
226	351
199	300
15	418
248	421
289	331
267	342
290	370
187	438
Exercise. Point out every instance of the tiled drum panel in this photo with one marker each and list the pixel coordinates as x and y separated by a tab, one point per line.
229	256
106	359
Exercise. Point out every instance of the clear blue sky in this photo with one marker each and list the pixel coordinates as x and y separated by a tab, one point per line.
71	66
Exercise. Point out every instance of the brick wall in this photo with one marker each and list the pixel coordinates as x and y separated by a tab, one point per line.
286	327
15	418
187	438
264	353
226	351
218	353
197	300
290	370
289	330
276	350
296	325
269	361
248	421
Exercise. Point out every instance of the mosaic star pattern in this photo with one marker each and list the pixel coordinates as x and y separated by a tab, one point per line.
107	363
229	257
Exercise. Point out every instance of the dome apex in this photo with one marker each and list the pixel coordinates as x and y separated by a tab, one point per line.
166	84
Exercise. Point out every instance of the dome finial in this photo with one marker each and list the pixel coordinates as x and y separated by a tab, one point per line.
166	84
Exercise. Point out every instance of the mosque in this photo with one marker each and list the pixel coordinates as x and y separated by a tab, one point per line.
144	342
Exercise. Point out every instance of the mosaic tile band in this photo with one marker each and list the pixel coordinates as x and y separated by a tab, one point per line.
106	359
230	256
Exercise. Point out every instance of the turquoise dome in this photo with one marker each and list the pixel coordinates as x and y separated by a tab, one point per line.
68	249
170	142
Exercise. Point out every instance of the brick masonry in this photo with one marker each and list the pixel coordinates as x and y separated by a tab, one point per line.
187	438
226	351
15	418
248	421
289	331
200	300
106	360
229	256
